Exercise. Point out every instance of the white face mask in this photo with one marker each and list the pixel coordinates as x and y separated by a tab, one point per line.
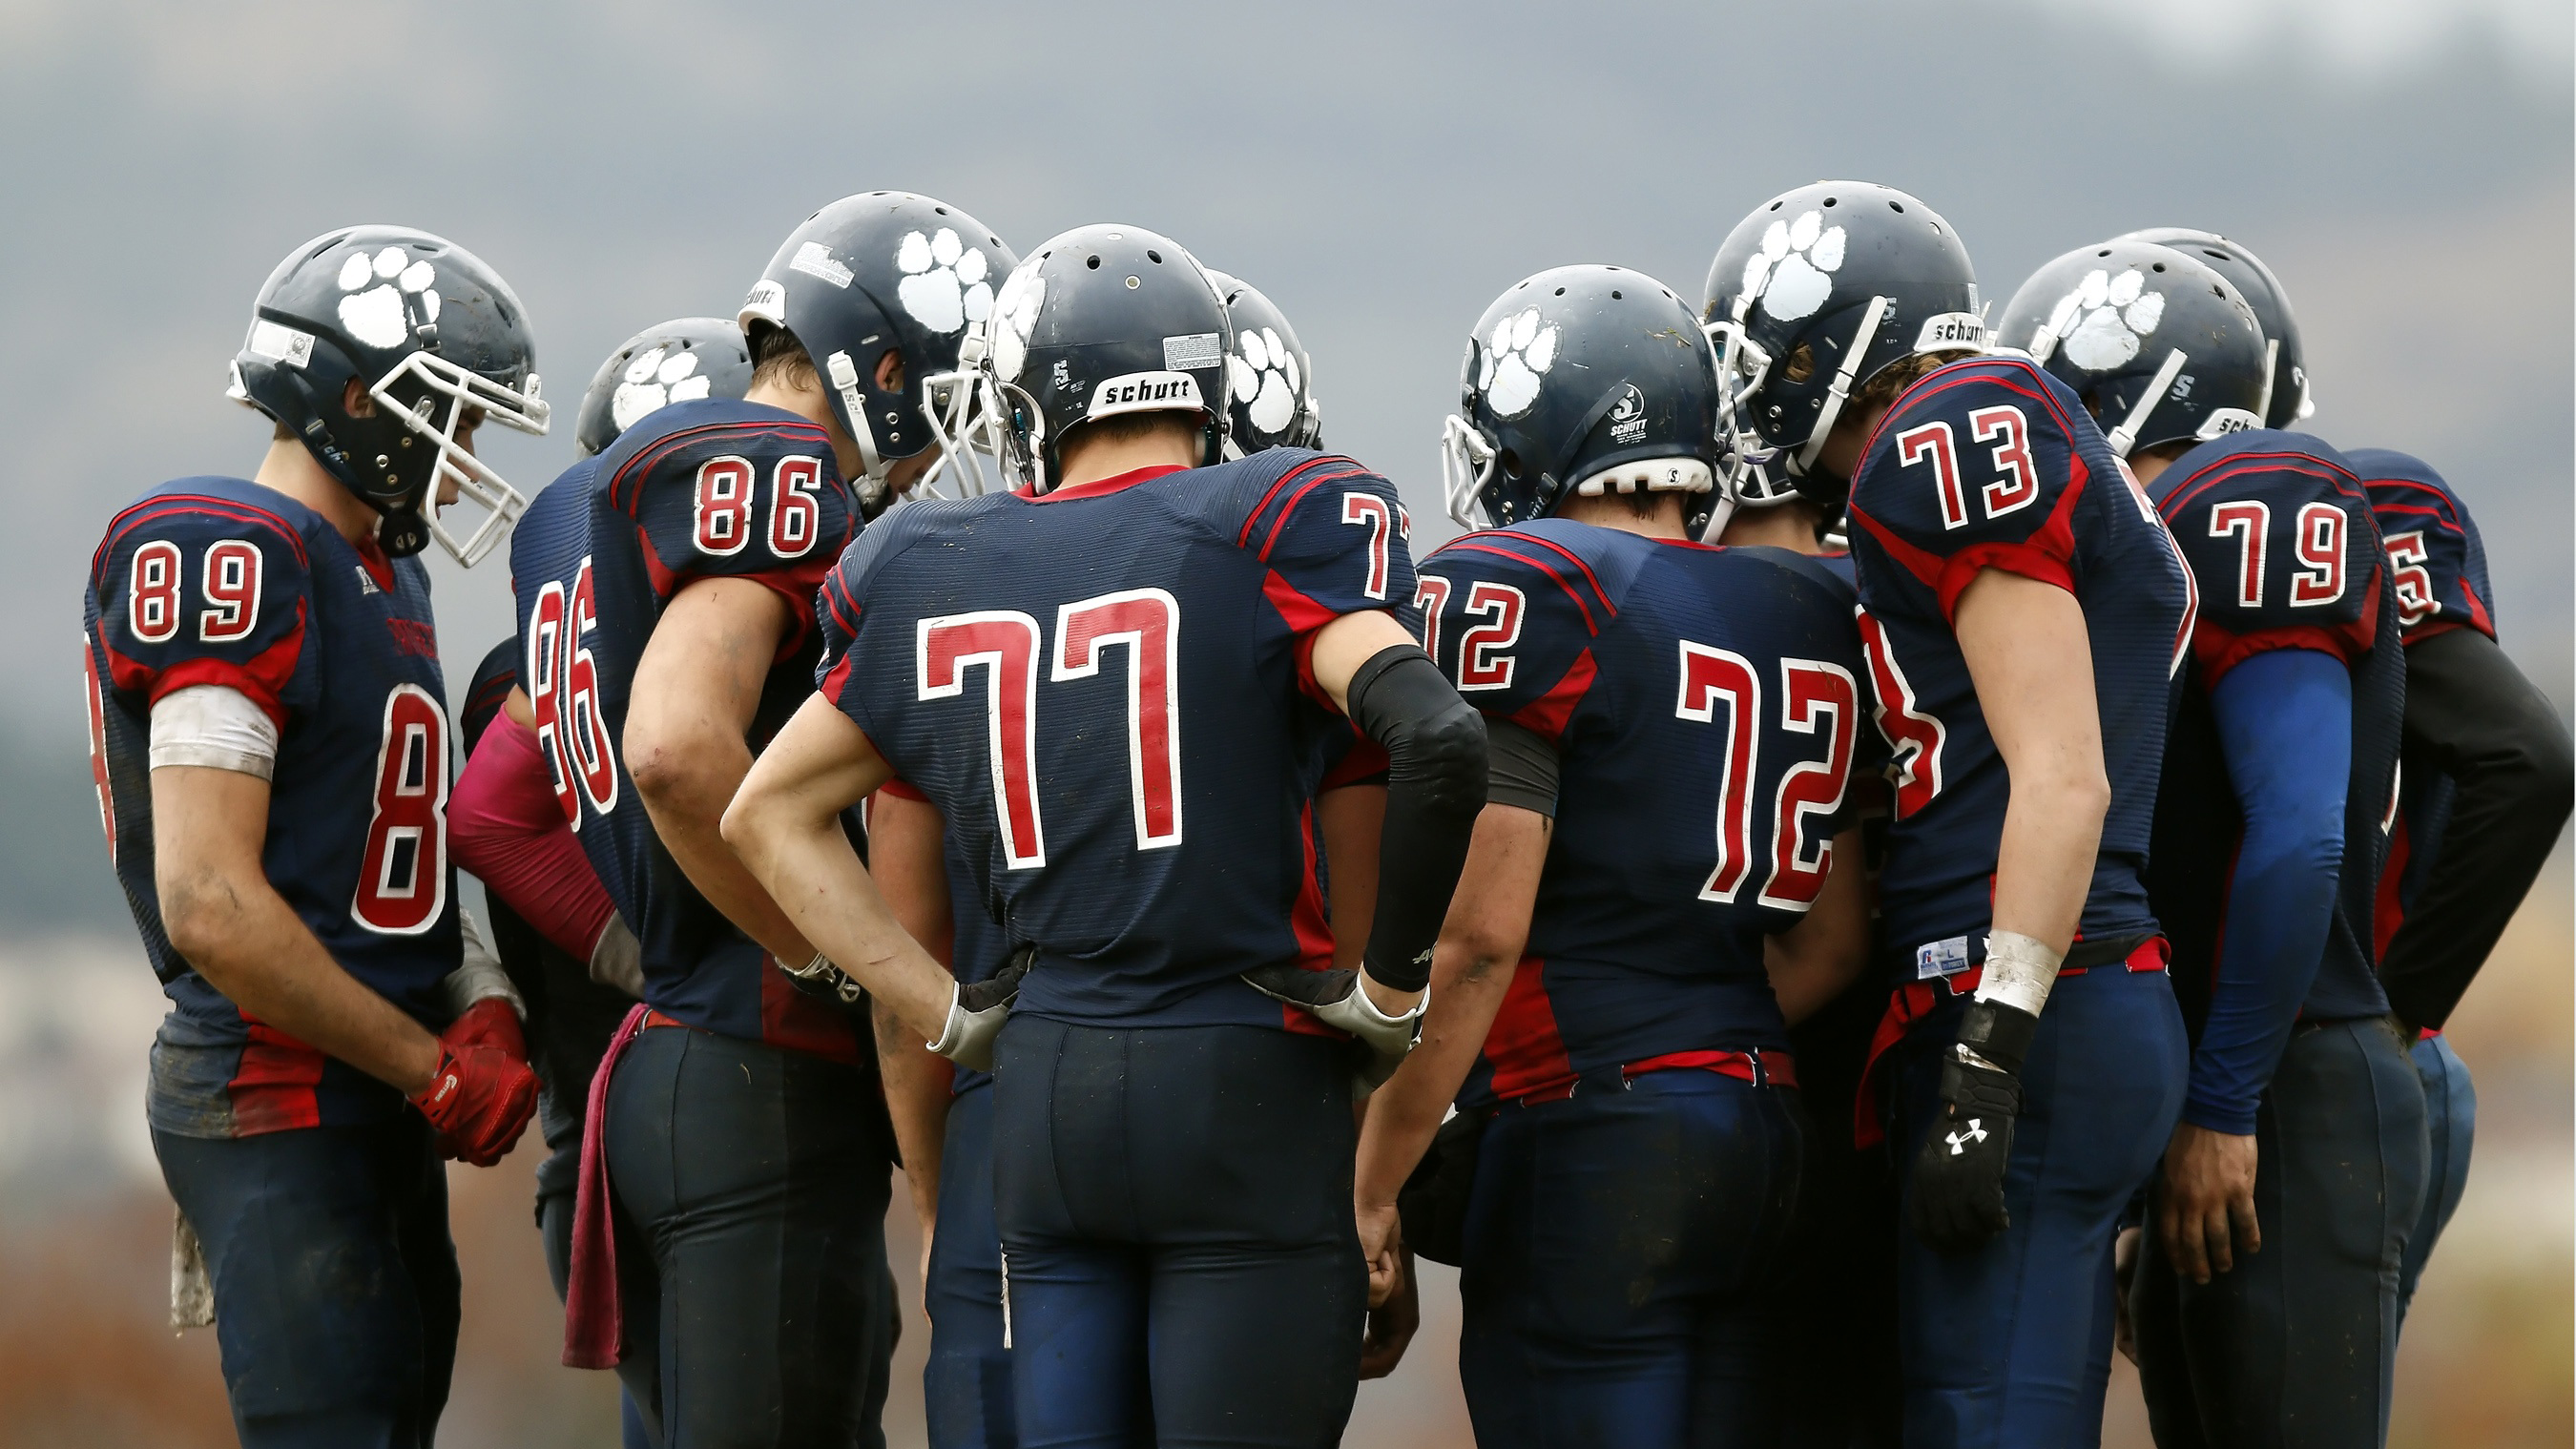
475	480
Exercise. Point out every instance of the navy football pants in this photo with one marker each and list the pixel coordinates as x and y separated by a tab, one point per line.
1620	1250
335	1280
2451	1129
556	1177
2296	1345
1181	1254
763	1313
2010	1345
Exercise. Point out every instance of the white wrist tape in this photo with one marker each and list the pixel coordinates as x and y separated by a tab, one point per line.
214	726
2019	972
479	977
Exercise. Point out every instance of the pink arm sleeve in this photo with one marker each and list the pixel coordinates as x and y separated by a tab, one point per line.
508	831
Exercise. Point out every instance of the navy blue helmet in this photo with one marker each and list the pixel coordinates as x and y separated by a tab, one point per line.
1809	298
1099	321
1585	379
675	361
2161	348
436	340
882	272
2289	400
1271	383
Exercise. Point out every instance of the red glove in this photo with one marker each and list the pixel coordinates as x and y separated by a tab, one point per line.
487	1023
483	1093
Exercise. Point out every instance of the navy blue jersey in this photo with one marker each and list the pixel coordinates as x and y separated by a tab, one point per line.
221	581
1705	705
2278	531
2437	564
1108	693
1992	463
2436	561
707	489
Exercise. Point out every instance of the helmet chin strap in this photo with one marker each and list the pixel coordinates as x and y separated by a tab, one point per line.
1466	466
2271	365
844	375
1840	388
2125	436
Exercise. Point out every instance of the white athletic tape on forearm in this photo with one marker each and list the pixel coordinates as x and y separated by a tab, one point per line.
479	977
2019	971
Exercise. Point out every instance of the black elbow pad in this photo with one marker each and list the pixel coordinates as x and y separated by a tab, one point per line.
1435	785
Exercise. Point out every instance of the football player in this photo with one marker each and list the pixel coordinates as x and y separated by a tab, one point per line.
2303	1123
1671	730
668	629
1117	691
942	1112
572	956
2481	745
2485	788
270	743
2023	613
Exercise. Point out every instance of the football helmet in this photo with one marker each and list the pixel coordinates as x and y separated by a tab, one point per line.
2120	322
1589	380
2290	399
435	337
884	271
676	361
1270	383
1099	321
1808	299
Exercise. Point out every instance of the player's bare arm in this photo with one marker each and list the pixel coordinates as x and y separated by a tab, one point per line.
905	855
2032	660
1811	962
784	824
242	936
687	726
1471	967
1351	820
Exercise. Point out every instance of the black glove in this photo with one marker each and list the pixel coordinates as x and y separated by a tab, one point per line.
1959	1175
978	1010
1336	999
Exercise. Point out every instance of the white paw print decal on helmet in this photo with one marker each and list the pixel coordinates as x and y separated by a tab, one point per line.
380	292
659	376
2103	319
1263	372
1521	353
1023	292
1793	273
943	285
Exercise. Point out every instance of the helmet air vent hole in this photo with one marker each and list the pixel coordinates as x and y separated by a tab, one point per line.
1093	263
1897	206
2160	266
943	211
1560	291
1830	200
1155	257
1616	295
1775	206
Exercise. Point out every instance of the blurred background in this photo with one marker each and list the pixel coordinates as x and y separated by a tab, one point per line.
1381	171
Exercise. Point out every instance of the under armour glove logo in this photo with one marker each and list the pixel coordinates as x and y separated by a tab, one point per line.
1958	1186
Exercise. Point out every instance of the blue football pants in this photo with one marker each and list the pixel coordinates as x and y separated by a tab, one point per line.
1181	1260
2010	1344
1621	1248
2451	1129
335	1280
760	1311
2296	1345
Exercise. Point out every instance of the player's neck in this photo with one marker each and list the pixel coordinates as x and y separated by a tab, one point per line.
290	468
2147	463
810	404
1089	462
1788	525
1612	510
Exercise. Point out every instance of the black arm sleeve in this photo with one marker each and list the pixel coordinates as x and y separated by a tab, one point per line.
2471	715
1435	785
1520	767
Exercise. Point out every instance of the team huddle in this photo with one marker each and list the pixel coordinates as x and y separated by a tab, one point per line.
1896	852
